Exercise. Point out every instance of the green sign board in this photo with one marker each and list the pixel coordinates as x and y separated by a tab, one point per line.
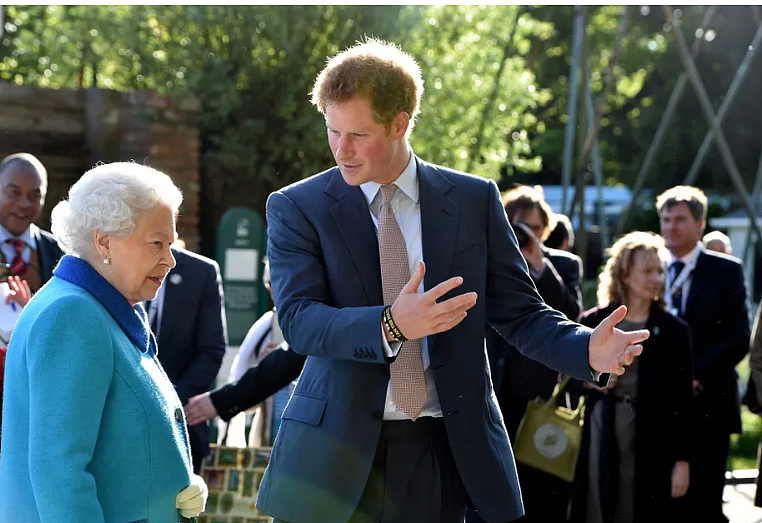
241	246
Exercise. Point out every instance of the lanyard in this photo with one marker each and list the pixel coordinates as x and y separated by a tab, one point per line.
680	281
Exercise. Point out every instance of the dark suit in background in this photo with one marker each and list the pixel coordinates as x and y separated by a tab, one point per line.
43	259
718	317
518	380
48	252
193	334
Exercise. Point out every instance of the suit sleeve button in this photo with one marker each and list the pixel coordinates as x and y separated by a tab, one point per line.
378	415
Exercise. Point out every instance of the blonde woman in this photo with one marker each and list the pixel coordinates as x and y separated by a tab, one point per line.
636	434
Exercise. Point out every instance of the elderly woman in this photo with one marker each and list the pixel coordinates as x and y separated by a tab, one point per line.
93	430
636	430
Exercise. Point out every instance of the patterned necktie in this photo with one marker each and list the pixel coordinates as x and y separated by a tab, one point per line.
18	265
677	292
408	382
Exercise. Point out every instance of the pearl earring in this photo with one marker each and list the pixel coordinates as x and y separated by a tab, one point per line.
106	261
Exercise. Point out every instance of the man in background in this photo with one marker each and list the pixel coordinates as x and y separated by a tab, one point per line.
188	320
31	252
707	290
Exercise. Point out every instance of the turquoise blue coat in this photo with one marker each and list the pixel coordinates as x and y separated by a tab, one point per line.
93	430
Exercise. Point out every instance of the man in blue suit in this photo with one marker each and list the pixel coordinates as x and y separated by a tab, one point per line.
394	418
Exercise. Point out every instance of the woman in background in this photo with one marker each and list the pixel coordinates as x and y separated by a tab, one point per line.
93	430
636	431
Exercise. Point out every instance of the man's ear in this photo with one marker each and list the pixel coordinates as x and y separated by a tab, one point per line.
102	243
400	124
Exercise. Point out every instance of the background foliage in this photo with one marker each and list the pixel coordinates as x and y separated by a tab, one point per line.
496	84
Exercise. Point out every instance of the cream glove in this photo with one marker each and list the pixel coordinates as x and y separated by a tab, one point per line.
192	499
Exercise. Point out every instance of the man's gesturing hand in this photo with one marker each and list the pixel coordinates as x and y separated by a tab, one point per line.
610	348
419	315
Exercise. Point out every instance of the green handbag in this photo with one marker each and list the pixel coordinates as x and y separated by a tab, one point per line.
549	437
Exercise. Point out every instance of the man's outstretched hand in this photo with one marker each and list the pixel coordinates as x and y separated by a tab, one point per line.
611	349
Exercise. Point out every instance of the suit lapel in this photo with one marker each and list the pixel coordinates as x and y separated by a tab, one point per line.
173	300
352	218
439	225
43	253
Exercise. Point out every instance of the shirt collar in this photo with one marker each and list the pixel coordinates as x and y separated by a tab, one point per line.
688	258
26	236
407	182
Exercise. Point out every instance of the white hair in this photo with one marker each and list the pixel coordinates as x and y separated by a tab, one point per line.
110	198
719	236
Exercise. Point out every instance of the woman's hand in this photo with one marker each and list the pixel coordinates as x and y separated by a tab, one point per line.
680	479
191	501
20	291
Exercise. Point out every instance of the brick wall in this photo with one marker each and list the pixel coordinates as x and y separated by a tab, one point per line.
70	131
159	132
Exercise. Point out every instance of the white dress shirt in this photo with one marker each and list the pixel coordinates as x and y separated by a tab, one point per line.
689	260
9	252
407	211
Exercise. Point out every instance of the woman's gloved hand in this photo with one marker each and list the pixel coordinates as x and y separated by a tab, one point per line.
191	501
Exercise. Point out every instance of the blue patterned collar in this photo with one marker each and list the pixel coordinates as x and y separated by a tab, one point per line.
131	318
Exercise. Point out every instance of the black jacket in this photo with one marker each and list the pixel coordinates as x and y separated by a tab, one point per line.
719	320
662	426
276	370
193	332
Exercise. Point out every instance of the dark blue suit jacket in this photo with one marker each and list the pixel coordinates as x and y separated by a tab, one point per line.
719	319
193	333
326	278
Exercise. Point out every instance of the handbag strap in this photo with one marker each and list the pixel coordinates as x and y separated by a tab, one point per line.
556	391
551	403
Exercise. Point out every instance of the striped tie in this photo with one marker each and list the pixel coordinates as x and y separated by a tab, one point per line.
18	265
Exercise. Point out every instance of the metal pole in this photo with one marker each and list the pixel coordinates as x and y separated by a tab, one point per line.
597	173
755	195
592	132
571	108
579	195
666	119
706	108
706	145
